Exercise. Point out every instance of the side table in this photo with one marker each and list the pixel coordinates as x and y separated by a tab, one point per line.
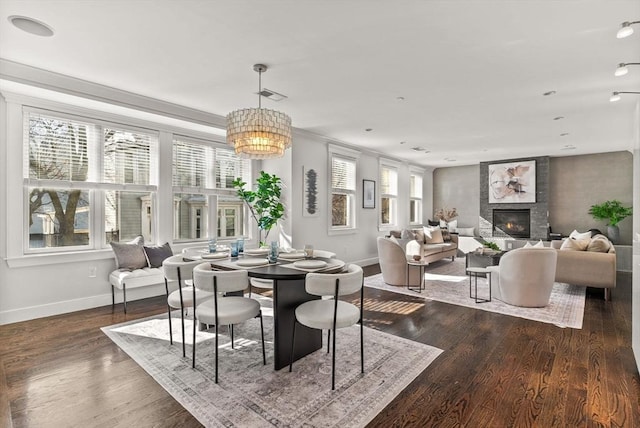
421	264
474	272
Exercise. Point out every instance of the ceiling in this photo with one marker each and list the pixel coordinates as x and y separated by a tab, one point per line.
463	80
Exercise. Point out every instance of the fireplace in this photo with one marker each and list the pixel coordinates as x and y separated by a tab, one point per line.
513	223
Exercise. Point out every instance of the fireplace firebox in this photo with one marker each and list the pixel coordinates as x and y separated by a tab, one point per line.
513	223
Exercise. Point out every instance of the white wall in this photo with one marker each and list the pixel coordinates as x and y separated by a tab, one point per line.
635	303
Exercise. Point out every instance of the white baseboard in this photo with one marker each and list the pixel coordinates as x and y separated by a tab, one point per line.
66	306
365	262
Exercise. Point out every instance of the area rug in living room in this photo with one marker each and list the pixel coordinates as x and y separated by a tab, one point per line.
250	394
446	282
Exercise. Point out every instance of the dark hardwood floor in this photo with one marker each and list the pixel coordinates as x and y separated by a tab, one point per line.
495	371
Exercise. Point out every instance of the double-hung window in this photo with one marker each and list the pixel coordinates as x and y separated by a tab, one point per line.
204	201
388	195
87	182
343	188
415	197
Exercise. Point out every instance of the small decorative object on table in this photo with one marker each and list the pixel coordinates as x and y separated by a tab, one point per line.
273	253
234	249
240	245
213	245
308	251
417	257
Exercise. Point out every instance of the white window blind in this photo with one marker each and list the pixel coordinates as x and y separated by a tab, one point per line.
388	181
416	186
343	174
229	166
192	164
127	156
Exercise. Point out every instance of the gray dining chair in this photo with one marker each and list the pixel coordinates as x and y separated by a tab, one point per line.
332	314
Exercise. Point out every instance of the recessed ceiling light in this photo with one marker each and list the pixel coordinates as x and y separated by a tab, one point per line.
369	129
31	26
558	118
564	134
400	98
546	94
450	159
568	147
403	142
418	149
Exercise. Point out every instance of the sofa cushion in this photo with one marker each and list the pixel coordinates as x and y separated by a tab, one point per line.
130	255
429	249
446	236
136	278
466	231
572	244
157	254
436	236
599	244
580	235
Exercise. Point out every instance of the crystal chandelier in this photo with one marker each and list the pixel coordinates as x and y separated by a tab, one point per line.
259	133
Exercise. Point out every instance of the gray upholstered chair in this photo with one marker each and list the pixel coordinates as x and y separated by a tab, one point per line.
393	263
331	314
223	310
177	268
525	276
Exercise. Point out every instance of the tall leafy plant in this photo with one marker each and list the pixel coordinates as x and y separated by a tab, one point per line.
263	202
612	211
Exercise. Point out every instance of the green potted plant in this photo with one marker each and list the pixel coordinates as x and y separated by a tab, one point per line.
613	212
264	202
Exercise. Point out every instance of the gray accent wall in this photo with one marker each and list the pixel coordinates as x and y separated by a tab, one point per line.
581	181
573	184
458	187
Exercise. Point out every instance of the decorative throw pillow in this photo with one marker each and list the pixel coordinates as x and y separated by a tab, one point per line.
428	231
466	231
436	237
130	255
156	254
539	244
419	235
446	237
599	244
394	240
395	233
407	234
528	245
580	235
575	244
452	226
433	222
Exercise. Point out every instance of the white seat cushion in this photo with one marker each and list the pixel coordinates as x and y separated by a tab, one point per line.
319	314
136	278
231	310
261	283
187	297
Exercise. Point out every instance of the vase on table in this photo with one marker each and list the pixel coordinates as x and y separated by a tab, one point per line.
613	232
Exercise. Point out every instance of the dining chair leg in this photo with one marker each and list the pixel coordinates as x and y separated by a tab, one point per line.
264	355
195	325
328	341
361	330
113	298
293	341
333	363
170	327
124	297
216	352
232	341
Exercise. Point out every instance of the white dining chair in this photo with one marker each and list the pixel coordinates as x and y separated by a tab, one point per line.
332	314
177	268
223	310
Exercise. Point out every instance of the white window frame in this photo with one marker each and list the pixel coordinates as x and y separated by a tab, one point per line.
212	195
393	197
95	185
417	199
335	151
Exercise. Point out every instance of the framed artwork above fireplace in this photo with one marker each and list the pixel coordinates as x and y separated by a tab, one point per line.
512	182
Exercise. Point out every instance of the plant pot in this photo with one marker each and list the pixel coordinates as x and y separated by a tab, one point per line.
613	233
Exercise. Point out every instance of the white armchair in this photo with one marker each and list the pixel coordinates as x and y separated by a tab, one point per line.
525	276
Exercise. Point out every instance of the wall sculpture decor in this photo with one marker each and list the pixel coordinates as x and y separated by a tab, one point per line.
310	196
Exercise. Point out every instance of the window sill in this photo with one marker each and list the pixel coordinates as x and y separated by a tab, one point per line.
57	258
349	231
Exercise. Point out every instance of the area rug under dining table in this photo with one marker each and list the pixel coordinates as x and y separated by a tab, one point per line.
445	281
250	394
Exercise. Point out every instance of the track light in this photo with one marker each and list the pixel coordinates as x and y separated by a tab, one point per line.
615	96
625	29
622	68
